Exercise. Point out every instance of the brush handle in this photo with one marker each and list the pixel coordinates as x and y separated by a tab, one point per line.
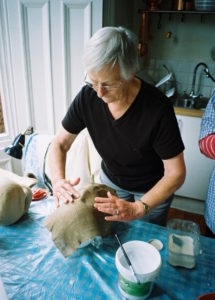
123	250
127	259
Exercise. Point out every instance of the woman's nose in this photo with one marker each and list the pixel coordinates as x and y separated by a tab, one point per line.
100	91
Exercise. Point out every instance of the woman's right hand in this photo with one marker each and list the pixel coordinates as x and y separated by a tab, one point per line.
64	189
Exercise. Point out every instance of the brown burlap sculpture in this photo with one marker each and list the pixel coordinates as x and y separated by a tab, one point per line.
77	222
15	196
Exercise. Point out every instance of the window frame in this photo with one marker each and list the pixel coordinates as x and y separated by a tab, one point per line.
7	99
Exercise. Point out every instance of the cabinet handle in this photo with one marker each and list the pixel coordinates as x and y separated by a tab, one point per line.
180	124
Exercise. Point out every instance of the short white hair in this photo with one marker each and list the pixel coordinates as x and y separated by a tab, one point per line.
112	46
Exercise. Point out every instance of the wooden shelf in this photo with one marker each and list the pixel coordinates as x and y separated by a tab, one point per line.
179	12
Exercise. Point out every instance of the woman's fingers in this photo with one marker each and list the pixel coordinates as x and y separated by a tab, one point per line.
98	200
64	190
114	218
112	210
111	196
107	205
109	199
74	182
57	201
111	205
117	209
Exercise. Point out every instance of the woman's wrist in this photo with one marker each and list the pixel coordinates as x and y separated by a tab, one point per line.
146	206
56	180
140	210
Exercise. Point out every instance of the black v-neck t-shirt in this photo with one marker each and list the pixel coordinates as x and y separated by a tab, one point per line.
132	147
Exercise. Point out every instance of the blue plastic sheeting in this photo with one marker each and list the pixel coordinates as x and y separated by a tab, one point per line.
33	268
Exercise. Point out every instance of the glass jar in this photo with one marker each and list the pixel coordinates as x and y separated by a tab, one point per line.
183	242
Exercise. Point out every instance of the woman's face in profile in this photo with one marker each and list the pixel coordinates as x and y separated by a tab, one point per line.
107	83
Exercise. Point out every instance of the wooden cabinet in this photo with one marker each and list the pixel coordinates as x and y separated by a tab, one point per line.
198	166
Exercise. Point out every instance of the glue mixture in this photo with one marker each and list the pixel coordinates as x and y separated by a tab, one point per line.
181	251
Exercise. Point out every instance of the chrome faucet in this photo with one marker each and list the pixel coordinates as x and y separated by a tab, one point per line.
190	99
207	73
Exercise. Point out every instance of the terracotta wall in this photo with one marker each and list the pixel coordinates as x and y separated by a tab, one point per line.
2	128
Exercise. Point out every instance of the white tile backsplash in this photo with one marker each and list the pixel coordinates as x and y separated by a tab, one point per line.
183	71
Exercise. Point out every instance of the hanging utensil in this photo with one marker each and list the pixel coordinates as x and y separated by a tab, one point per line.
163	80
170	92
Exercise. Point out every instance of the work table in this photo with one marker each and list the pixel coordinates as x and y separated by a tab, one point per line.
31	265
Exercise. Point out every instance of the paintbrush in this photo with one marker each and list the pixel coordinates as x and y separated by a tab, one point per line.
128	260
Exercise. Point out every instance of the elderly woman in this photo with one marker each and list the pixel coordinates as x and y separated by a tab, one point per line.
133	127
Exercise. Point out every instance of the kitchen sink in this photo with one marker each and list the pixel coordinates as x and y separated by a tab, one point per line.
188	102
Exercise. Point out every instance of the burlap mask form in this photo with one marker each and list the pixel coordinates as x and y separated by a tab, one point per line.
15	196
75	223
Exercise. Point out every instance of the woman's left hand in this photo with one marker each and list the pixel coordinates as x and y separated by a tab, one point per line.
119	209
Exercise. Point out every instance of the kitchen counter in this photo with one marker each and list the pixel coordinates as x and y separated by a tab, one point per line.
188	112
